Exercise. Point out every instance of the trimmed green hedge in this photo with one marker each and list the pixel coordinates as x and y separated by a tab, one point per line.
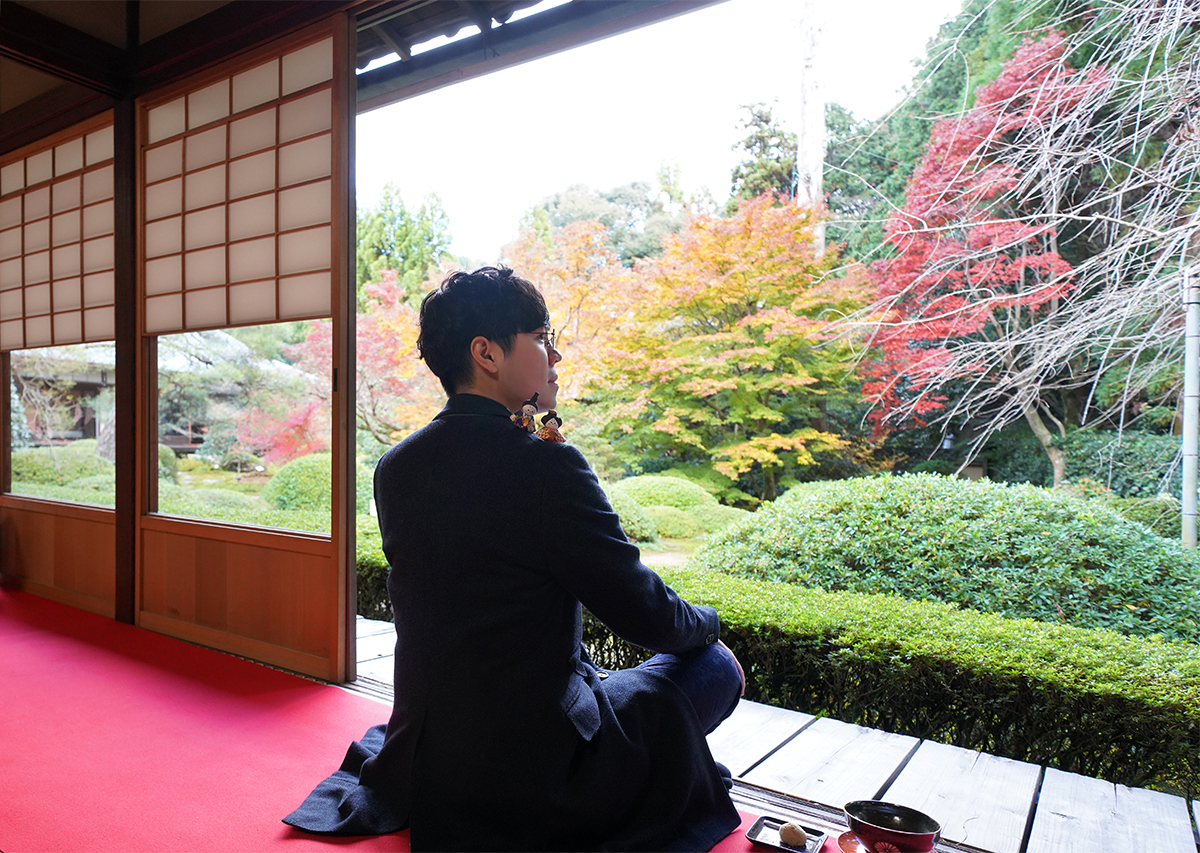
58	466
656	490
673	523
638	526
304	484
1018	551
1094	702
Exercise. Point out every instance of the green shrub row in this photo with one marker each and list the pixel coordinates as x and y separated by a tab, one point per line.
1014	550
653	505
1094	702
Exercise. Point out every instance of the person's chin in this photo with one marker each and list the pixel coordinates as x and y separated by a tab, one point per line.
549	399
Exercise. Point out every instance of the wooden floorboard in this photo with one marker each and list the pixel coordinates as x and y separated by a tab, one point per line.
832	762
752	733
979	799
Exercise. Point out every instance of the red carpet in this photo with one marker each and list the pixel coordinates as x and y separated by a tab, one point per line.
114	738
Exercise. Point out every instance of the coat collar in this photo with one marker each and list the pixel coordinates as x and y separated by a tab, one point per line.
472	404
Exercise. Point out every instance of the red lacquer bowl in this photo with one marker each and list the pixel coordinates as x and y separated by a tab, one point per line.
889	828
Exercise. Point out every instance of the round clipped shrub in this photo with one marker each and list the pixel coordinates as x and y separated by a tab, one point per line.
638	526
1016	550
58	466
168	464
102	483
657	490
674	523
713	518
305	483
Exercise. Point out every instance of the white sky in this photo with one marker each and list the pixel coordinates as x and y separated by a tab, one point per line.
612	112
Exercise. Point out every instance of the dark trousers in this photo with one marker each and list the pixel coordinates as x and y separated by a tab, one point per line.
708	676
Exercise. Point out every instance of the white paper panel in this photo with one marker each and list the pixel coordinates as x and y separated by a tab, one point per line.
98	254
252	133
308	66
208	104
99	146
37	300
252	175
304	161
204	149
98	289
37	331
249	303
164	313
252	259
67	293
37	204
164	162
204	228
306	116
10	274
98	219
66	261
37	268
68	157
10	212
65	227
12	334
10	243
11	304
68	327
302	251
205	268
164	199
166	120
304	296
99	324
252	217
37	236
98	185
256	86
205	187
164	237
39	167
12	177
164	275
65	194
205	308
304	205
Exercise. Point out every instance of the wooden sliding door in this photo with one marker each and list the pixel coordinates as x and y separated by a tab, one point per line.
246	216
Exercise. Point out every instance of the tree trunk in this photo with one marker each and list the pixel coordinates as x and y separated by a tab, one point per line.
1058	457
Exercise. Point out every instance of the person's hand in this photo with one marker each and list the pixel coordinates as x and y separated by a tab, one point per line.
737	663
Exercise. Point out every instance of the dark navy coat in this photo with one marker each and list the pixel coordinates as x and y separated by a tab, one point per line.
503	735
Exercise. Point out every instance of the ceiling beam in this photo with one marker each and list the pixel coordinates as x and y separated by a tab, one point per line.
542	34
64	52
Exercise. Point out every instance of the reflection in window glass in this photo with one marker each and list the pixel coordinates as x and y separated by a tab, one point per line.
245	425
63	423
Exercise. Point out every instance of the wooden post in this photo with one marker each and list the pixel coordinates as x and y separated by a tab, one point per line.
1191	402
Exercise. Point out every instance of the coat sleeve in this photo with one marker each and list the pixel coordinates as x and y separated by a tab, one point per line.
586	550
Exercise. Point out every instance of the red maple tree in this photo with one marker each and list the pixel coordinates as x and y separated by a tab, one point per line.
972	261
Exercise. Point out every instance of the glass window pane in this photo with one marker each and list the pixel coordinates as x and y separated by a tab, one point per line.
244	414
63	423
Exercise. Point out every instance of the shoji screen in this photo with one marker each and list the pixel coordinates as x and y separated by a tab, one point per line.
57	288
246	209
237	197
56	242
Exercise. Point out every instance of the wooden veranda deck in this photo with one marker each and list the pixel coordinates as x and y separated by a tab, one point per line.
795	765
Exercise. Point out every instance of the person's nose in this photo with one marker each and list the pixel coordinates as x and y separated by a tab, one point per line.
555	355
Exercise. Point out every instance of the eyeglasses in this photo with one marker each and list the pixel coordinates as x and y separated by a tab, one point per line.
546	339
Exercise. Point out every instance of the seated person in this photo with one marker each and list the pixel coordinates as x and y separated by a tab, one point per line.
504	735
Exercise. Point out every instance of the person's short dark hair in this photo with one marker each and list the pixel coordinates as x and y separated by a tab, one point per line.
492	302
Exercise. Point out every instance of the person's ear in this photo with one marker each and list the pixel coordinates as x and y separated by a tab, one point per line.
483	354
